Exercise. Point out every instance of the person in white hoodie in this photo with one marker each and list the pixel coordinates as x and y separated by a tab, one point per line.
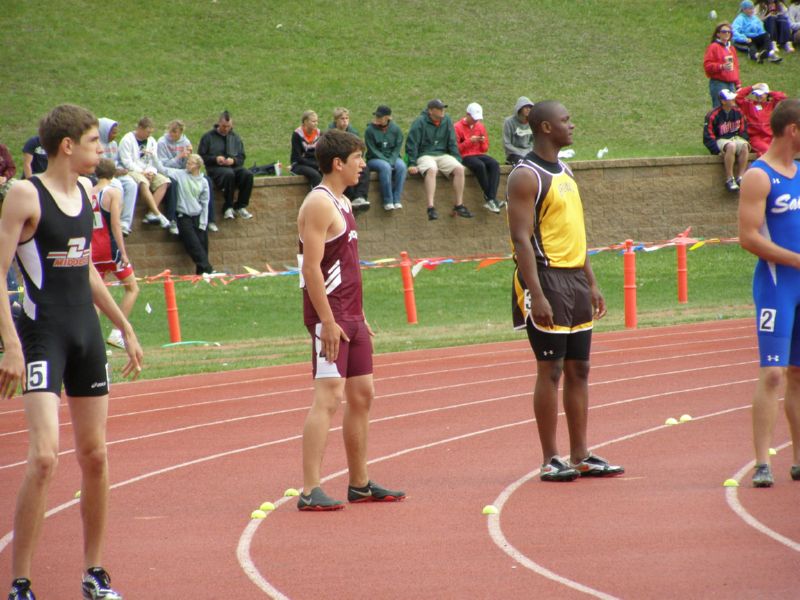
138	154
108	130
192	193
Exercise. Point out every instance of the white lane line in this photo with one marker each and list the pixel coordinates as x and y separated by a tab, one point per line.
732	498
500	540
245	541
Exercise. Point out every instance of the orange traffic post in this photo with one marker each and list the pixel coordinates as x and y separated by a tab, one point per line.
172	309
629	282
408	288
683	279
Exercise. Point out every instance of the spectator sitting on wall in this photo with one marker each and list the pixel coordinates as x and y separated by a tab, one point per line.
721	63
34	158
356	193
431	147
749	34
725	132
473	144
304	143
173	149
108	130
517	134
7	171
757	103
384	141
137	153
193	194
223	154
775	16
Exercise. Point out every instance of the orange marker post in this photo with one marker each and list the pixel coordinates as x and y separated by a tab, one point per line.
408	288
629	282
683	272
172	310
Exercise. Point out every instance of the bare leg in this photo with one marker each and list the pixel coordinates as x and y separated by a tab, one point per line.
765	410
158	195
576	406
729	157
741	161
328	395
458	184
430	184
41	414
89	415
359	392
130	295
147	197
791	405
545	404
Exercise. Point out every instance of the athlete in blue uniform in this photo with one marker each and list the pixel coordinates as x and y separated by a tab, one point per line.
48	222
769	227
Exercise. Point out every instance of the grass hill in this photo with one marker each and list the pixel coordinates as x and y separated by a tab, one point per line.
630	71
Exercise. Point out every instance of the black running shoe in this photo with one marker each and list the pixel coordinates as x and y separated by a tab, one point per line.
372	492
795	472
21	590
558	470
432	214
96	585
461	211
762	478
318	500
594	466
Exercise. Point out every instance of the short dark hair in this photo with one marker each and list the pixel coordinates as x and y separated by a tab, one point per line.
335	143
224	116
146	123
64	121
786	113
541	112
105	169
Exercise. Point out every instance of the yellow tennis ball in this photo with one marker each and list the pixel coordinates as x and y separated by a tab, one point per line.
772	452
258	514
291	492
671	421
685	418
731	483
490	509
267	506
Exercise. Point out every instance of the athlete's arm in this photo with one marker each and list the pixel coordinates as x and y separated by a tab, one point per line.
752	205
115	210
316	217
19	218
523	187
598	302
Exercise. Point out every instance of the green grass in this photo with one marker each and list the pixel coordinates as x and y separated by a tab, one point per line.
258	321
630	72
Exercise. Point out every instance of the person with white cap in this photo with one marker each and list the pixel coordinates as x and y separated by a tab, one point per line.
473	144
725	133
757	103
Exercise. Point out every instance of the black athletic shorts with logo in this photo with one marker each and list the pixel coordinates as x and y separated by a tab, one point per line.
64	345
570	338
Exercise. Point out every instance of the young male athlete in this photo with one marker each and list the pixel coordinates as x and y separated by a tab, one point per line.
341	337
47	220
108	242
555	295
769	227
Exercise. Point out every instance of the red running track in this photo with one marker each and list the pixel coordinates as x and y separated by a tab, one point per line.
191	457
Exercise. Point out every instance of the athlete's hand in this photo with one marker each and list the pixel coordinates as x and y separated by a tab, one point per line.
369	329
598	303
135	354
541	311
329	336
12	370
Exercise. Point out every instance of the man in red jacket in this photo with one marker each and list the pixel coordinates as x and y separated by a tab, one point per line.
757	103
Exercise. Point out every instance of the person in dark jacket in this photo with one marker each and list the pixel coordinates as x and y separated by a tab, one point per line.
304	145
431	146
223	154
725	132
384	142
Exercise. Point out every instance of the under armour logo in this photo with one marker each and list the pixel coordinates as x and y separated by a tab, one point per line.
776	180
773	357
548	353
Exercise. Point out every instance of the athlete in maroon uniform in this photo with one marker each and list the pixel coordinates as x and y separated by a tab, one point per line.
48	222
333	313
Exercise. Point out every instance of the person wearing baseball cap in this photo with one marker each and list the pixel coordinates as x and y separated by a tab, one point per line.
724	132
431	147
384	142
757	103
473	144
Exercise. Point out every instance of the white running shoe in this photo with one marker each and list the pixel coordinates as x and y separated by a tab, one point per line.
228	214
244	213
115	339
213	227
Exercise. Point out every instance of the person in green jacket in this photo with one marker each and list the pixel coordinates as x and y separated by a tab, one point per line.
431	147
384	141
